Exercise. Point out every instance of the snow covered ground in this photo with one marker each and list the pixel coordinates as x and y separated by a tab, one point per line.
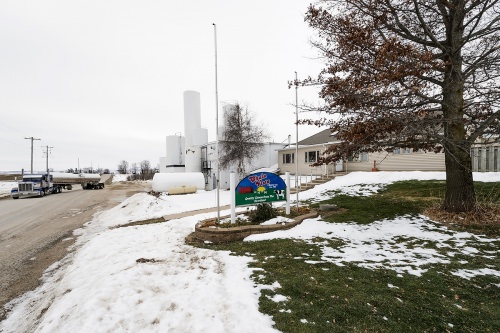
146	279
5	188
120	177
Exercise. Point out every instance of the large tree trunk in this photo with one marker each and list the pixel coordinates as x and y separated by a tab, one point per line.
460	195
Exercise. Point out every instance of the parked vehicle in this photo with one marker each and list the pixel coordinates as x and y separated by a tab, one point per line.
39	185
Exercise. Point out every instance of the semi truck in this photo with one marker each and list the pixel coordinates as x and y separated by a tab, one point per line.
39	185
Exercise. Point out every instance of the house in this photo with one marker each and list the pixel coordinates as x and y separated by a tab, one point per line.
485	158
308	152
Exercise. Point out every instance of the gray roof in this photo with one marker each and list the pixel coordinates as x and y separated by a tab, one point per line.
324	136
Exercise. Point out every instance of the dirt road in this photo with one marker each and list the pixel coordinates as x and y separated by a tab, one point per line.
36	232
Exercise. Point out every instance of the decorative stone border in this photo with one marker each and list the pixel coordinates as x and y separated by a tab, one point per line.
218	235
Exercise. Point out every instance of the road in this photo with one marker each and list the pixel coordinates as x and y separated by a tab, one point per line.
36	232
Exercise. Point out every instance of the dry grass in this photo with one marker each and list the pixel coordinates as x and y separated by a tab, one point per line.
485	215
4	177
143	222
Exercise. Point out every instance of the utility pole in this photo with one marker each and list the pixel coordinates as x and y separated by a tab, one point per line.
31	138
47	152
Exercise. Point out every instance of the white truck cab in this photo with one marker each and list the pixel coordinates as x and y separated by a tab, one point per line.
32	185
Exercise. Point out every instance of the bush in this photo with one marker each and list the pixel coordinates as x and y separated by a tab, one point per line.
263	212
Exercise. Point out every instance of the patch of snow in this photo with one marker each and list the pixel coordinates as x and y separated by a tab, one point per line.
382	244
468	273
278	298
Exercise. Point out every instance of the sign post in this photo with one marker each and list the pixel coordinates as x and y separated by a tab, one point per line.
287	181
232	182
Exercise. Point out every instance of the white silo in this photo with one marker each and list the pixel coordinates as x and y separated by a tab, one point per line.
174	161
193	159
193	153
192	115
200	137
227	110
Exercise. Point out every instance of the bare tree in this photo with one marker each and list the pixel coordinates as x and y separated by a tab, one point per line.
123	167
134	168
145	167
242	138
411	73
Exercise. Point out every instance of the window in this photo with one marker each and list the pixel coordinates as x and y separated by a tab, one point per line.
359	157
487	159
405	151
311	156
479	157
495	159
401	151
289	158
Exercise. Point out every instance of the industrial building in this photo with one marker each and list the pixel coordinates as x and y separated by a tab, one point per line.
193	153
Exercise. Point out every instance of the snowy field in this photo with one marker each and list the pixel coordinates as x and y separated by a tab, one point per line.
146	279
5	188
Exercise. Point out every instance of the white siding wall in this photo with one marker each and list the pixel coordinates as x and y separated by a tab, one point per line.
384	162
414	161
486	158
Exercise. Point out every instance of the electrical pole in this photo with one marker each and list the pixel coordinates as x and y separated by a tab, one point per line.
31	138
47	152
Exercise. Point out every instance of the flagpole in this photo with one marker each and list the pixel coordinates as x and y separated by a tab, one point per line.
296	142
217	127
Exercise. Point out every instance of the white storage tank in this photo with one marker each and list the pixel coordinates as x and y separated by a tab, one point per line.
200	137
193	159
165	167
175	150
173	182
192	115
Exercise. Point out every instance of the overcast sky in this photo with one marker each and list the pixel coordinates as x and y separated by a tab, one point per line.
102	81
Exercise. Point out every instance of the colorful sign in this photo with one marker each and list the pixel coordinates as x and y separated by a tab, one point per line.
260	187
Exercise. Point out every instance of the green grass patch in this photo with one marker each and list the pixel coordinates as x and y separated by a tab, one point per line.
320	296
323	297
397	199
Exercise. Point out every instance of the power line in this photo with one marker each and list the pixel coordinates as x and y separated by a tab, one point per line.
13	130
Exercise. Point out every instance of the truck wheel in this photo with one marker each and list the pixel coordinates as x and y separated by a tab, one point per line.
41	193
15	198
